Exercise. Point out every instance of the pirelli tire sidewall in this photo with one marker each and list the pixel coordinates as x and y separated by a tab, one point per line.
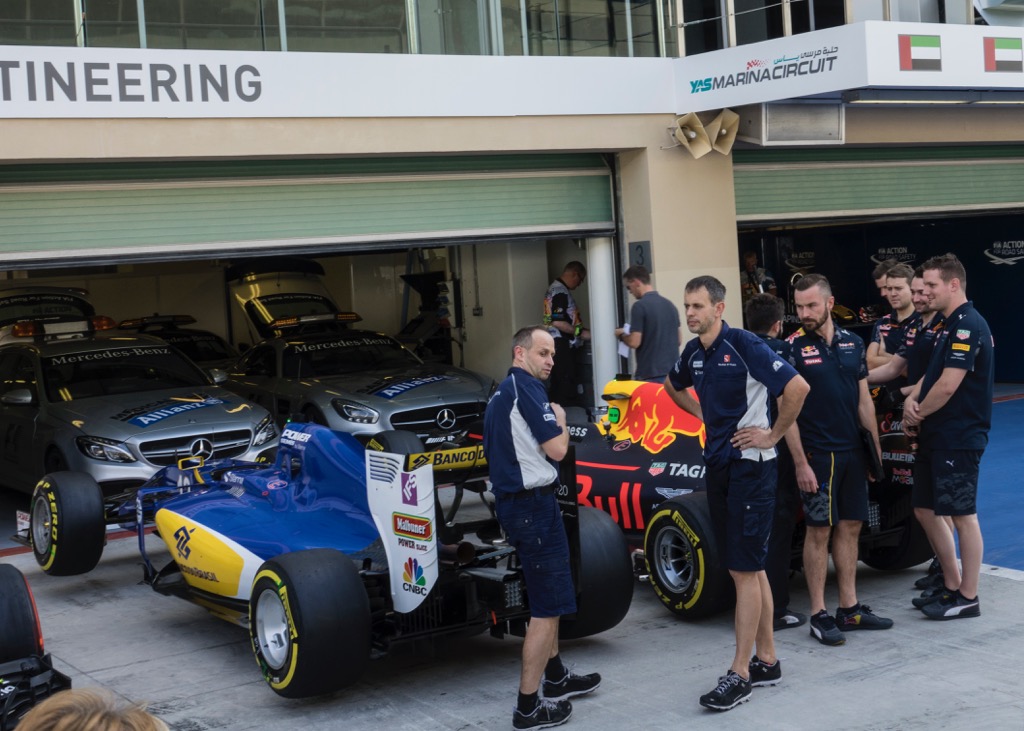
325	629
67	525
20	636
682	558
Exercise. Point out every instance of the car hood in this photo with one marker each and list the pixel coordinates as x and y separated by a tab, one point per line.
181	409
426	383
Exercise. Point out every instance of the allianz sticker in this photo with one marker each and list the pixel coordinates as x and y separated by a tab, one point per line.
173	409
396	389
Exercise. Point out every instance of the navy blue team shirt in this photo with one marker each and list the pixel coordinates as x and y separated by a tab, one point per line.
964	421
829	420
517	421
733	379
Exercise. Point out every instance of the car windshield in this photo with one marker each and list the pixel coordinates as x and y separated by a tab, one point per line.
17	307
346	355
272	307
200	347
117	370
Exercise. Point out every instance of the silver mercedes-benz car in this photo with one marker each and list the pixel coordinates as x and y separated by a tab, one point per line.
358	381
119	408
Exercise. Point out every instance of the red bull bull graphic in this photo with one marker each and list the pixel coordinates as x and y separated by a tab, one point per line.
651	418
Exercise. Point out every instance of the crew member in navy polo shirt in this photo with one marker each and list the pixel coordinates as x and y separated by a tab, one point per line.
764	314
828	457
734	372
952	407
524	439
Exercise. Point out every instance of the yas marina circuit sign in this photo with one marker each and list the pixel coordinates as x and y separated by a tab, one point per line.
870	54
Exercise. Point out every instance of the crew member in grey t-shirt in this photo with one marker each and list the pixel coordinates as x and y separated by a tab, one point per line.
653	328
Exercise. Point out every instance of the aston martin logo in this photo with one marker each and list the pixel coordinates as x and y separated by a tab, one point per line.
446	419
201	448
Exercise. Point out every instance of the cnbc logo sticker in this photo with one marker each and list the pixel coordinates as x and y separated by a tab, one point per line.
413	580
1004	54
920	53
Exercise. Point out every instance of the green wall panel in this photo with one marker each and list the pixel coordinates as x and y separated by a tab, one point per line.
815	184
408	201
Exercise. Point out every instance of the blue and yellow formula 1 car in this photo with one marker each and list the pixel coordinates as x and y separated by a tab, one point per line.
336	551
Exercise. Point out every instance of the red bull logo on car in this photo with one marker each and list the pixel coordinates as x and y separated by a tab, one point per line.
652	419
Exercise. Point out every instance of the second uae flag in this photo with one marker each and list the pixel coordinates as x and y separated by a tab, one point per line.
1004	54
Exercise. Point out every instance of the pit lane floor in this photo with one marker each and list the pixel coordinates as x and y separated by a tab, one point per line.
197	672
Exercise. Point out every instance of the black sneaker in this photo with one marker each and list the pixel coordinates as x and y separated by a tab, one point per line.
824	629
931	581
731	690
547	714
761	673
788	619
952	606
570	686
928	596
860	618
934	567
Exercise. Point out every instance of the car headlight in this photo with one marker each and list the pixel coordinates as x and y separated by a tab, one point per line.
106	450
265	431
355	412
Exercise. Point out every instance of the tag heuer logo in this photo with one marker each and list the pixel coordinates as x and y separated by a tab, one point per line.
657	468
963	334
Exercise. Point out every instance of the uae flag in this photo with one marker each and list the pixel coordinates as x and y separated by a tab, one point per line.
1004	54
920	53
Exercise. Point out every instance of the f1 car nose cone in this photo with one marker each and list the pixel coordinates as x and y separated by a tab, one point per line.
201	448
445	418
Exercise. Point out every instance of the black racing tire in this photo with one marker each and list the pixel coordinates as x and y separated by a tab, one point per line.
397	442
682	558
604	591
20	635
309	623
67	525
912	549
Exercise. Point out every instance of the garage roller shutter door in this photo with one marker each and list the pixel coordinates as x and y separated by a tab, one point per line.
806	185
109	213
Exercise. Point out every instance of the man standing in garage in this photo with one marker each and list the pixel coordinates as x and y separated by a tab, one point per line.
828	457
952	408
565	325
525	437
734	372
653	330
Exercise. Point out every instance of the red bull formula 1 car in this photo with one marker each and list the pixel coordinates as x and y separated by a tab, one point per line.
26	674
336	551
642	464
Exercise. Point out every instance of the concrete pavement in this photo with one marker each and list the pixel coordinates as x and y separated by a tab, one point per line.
197	672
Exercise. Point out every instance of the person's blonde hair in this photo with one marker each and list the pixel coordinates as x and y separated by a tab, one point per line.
89	710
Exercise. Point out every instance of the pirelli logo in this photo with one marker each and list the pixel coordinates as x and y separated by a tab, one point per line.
412	526
962	346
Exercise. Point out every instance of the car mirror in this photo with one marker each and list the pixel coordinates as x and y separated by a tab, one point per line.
218	375
18	397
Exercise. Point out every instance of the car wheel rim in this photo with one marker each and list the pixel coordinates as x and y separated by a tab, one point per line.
41	525
674	559
272	629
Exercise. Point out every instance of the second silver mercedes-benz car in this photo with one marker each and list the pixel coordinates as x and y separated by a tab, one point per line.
360	382
119	408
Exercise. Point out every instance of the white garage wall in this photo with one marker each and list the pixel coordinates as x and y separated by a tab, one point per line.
512	279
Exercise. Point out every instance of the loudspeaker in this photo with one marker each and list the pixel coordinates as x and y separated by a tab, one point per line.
722	131
691	134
